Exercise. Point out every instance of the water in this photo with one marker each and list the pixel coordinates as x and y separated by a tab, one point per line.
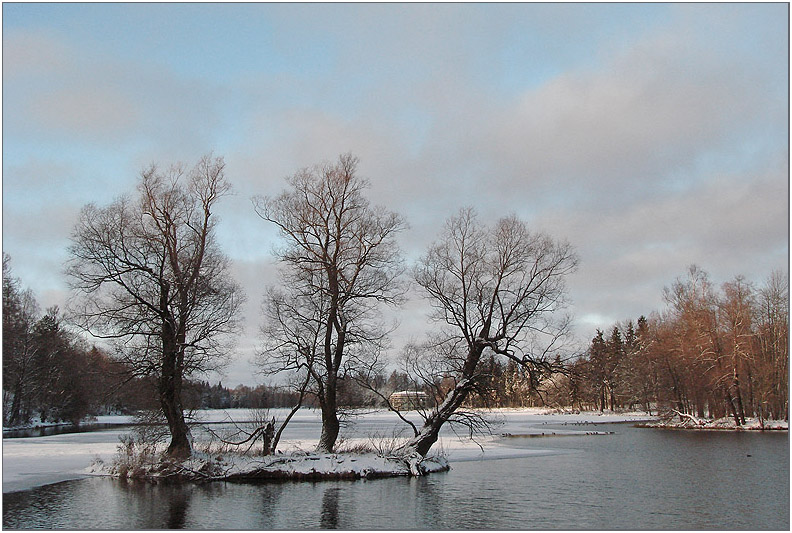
632	479
46	431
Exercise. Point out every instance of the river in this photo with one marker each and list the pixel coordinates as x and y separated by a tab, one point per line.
632	478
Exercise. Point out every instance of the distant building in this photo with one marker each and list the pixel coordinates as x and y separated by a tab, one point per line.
407	400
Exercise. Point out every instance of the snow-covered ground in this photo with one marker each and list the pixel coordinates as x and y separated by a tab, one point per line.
725	423
34	461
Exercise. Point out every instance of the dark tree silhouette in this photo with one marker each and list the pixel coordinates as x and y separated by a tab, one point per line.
494	290
339	264
150	275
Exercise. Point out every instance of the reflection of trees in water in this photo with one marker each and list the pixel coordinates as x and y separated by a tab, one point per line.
330	508
270	505
146	506
178	504
427	500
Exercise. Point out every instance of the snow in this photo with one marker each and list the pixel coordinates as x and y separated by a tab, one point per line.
30	462
114	419
725	423
351	466
34	461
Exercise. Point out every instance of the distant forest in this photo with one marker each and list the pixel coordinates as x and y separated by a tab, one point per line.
712	352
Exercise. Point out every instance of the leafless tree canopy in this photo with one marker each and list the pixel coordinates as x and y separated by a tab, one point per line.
730	341
20	312
339	263
150	276
499	289
714	352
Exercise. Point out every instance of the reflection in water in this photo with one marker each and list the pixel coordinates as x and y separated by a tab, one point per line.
60	430
177	508
634	479
330	508
270	504
428	500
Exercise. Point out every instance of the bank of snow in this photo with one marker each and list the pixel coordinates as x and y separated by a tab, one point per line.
202	467
34	461
726	423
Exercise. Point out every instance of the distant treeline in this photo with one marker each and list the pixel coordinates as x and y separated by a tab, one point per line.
711	353
52	374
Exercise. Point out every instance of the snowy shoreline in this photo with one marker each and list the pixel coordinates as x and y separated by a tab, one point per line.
295	466
720	424
34	461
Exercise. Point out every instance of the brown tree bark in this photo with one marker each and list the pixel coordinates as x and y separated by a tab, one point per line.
152	278
339	262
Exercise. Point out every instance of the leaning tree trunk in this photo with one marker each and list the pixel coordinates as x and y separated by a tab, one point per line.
429	432
730	405
419	446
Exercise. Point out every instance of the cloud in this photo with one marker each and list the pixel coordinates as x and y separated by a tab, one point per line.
650	113
729	225
99	110
649	136
91	97
32	53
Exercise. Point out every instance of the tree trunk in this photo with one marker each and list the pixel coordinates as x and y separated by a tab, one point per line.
738	396
16	405
170	401
330	429
602	397
731	406
427	436
420	445
330	424
170	388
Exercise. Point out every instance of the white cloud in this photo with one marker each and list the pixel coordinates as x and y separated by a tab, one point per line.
648	152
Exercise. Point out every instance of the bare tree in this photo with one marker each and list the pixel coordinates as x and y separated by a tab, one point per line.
700	348
20	313
773	347
151	277
291	342
736	308
339	264
494	290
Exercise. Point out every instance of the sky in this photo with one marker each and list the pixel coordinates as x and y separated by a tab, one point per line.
649	136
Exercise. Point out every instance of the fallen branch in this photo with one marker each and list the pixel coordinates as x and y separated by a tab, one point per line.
682	416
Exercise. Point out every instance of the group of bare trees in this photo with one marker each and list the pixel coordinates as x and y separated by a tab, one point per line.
48	371
149	276
151	279
493	289
711	353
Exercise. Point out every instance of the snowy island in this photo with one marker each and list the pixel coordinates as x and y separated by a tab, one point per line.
34	461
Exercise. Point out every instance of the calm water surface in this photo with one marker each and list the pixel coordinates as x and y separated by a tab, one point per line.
632	479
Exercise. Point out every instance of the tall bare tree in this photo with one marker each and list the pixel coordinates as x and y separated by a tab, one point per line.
772	322
340	262
699	347
494	290
735	312
20	313
150	276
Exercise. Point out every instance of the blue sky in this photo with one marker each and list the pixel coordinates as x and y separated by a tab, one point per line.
651	136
